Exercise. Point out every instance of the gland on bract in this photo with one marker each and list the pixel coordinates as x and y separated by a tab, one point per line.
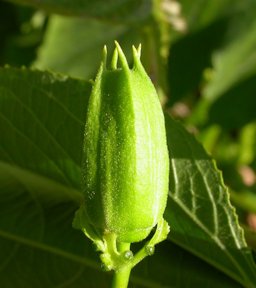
125	165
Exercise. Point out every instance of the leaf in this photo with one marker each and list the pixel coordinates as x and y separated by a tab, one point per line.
190	55
116	10
36	108
82	42
37	202
230	89
38	239
233	64
62	257
201	217
36	232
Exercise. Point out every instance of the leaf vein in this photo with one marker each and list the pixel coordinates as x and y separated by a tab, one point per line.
65	178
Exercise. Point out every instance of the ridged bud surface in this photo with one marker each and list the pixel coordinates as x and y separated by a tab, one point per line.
125	158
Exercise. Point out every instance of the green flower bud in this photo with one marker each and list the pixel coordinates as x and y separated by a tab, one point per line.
125	158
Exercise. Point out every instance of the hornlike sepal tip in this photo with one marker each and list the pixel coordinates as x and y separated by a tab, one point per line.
104	56
136	52
114	60
136	56
122	58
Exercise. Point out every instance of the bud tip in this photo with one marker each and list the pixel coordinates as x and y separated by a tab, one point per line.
104	56
114	60
121	55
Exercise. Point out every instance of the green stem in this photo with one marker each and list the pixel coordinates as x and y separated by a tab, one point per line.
122	275
157	43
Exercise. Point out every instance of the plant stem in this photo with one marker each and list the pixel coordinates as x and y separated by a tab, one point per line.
122	275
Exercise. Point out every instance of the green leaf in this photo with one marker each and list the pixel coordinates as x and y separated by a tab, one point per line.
193	50
116	10
61	255
36	231
229	91
81	42
201	217
40	247
36	109
233	64
39	193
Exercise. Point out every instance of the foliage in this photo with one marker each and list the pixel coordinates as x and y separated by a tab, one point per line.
200	56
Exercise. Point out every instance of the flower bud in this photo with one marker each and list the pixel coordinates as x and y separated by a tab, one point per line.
125	158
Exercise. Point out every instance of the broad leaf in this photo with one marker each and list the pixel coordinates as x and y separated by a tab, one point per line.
39	246
37	203
199	212
234	63
36	110
230	86
193	50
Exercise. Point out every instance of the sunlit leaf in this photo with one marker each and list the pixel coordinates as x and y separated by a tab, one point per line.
199	210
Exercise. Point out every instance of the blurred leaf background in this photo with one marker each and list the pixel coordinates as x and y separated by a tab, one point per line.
202	58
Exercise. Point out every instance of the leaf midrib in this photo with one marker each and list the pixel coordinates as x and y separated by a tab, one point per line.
48	248
31	178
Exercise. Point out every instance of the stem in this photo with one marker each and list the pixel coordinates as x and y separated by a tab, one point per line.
122	275
160	39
